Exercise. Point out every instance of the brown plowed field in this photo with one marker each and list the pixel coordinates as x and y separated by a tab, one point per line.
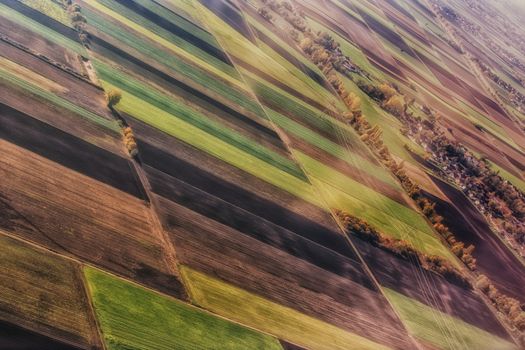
44	293
77	91
76	215
159	149
61	118
256	227
39	44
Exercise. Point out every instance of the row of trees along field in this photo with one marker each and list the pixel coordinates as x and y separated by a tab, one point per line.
401	248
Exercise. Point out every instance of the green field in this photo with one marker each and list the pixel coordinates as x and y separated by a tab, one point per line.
164	102
352	155
135	318
516	181
296	107
281	321
279	41
128	26
237	93
170	37
200	139
441	330
242	48
51	9
233	157
418	233
362	191
390	126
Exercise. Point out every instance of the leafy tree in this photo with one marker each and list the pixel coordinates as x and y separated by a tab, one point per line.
113	97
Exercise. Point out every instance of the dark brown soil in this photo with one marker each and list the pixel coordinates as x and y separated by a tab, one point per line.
387	34
223	171
401	10
387	67
256	227
247	200
288	346
61	118
13	337
68	150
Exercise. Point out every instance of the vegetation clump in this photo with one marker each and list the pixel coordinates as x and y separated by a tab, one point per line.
113	97
130	142
265	13
509	306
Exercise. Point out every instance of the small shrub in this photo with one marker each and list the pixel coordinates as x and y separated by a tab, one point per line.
113	97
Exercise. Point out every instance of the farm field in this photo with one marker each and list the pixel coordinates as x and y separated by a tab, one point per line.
132	317
421	322
291	325
262	174
44	293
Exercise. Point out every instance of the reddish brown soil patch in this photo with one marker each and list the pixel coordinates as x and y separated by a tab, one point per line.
386	33
496	150
413	30
383	65
456	69
451	83
400	9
